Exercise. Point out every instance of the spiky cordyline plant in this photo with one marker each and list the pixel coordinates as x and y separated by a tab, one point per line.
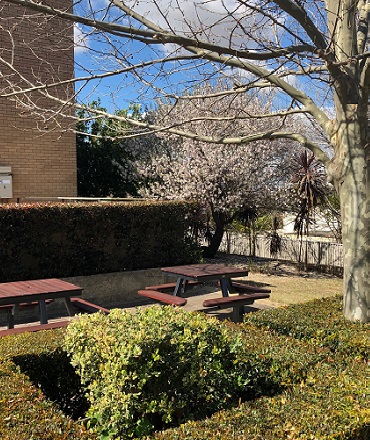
310	180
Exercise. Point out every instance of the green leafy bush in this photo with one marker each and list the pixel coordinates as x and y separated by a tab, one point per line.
332	403
297	389
159	366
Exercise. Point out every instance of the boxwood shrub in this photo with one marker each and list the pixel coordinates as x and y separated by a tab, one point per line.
330	404
160	366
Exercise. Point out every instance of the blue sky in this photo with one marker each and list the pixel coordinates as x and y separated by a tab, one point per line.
118	92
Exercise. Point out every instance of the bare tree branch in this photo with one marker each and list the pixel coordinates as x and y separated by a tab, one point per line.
158	35
297	11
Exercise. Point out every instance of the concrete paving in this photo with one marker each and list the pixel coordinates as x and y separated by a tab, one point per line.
194	298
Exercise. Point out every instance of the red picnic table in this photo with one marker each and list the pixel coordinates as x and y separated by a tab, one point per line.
24	292
193	274
201	273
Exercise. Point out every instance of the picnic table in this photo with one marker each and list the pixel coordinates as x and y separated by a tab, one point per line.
201	273
192	275
17	293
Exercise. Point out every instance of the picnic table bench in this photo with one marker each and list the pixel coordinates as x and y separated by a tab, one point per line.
236	302
10	308
169	287
160	292
86	306
78	304
163	297
33	328
240	287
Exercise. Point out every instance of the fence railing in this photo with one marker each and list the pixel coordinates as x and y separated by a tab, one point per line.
319	253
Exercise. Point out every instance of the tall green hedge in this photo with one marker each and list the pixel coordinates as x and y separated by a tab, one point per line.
70	239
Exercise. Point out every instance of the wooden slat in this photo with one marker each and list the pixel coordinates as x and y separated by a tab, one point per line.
163	297
246	288
87	306
25	305
318	253
231	301
31	290
169	287
205	272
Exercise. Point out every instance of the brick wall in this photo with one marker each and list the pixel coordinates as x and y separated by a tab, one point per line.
41	152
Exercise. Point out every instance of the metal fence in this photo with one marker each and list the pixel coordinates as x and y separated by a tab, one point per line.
319	253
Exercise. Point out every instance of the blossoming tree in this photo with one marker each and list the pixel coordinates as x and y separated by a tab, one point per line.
226	180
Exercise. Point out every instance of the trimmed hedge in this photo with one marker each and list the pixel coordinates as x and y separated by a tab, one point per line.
70	239
27	361
325	373
330	404
320	322
305	388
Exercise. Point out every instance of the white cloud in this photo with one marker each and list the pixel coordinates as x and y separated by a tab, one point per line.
80	39
206	19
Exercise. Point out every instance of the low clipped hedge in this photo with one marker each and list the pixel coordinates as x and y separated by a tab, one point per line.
331	403
321	360
320	322
34	373
298	384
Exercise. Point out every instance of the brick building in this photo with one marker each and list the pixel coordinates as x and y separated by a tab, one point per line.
40	153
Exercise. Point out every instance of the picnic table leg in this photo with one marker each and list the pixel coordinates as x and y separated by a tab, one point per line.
43	314
238	313
225	286
69	307
179	286
11	314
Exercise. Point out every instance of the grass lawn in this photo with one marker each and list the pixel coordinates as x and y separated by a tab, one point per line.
288	285
295	289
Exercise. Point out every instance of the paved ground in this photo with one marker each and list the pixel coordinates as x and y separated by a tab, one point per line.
194	303
195	299
279	279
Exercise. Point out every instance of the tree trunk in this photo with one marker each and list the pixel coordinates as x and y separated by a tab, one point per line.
253	239
216	239
348	169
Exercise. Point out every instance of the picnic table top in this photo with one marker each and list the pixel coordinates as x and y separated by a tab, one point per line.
205	271
17	291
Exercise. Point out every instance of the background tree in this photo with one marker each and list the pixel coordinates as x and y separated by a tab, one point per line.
107	167
312	52
229	181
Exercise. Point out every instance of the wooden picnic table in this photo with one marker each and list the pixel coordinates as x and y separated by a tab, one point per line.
203	273
22	292
193	274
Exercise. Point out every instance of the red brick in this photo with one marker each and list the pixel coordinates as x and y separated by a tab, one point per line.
42	166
